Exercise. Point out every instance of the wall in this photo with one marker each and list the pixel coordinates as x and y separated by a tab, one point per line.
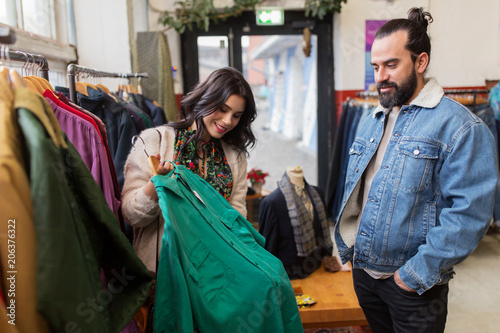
102	37
464	37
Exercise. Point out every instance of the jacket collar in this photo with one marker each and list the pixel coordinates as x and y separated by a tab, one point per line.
429	97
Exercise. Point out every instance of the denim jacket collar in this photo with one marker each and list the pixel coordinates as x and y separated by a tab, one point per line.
429	97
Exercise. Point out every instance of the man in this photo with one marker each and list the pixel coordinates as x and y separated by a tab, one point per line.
419	187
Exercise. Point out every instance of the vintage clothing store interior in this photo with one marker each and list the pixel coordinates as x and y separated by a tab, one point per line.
81	80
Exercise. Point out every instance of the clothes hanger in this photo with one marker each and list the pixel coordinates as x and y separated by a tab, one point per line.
31	78
103	87
30	82
152	159
4	72
43	82
131	89
81	88
15	79
125	92
139	87
90	84
12	75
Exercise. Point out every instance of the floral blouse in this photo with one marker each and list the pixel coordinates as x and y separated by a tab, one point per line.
218	170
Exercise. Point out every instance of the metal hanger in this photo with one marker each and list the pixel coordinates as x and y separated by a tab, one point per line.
152	159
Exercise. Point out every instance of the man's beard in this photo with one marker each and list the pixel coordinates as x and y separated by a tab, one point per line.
400	94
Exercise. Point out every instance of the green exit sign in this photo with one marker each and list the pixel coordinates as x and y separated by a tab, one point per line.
270	16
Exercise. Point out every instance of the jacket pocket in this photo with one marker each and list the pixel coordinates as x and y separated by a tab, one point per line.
211	275
418	159
355	157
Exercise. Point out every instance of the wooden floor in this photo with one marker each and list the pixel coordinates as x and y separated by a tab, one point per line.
337	304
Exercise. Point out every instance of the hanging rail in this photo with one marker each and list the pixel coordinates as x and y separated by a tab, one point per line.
8	36
473	92
73	69
367	94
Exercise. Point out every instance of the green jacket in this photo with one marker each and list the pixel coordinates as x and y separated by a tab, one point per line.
79	241
214	273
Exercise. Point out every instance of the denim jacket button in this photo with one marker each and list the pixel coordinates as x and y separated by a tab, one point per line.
416	152
352	150
372	139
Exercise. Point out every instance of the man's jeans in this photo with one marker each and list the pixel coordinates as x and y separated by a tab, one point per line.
388	308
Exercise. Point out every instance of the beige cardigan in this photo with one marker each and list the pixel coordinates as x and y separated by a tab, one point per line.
142	212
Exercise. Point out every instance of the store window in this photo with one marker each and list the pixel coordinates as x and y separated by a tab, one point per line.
48	18
43	27
38	17
8	12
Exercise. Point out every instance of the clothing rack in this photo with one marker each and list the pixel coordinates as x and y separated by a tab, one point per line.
7	37
473	92
361	101
73	69
367	94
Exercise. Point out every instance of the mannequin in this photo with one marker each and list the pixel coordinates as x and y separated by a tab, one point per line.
296	176
293	221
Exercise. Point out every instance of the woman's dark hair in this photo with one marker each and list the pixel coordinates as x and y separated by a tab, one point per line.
416	28
209	96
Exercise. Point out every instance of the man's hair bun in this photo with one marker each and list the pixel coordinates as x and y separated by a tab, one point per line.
420	17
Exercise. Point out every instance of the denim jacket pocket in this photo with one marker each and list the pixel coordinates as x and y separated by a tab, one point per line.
418	159
355	156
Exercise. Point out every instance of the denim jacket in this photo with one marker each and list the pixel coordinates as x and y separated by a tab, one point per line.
432	199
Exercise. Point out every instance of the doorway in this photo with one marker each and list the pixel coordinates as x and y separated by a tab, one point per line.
293	91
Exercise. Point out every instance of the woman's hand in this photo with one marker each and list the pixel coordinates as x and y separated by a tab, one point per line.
163	168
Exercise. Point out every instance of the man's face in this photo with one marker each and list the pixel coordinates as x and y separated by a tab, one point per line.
395	73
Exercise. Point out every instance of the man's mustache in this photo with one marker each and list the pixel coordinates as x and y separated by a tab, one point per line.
386	84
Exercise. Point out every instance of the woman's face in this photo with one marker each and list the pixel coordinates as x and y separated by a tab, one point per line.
225	118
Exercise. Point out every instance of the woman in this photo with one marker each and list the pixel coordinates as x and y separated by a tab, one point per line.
211	139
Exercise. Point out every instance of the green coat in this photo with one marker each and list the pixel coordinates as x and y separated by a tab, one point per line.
78	235
213	267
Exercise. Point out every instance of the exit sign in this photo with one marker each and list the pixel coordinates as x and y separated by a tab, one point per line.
270	16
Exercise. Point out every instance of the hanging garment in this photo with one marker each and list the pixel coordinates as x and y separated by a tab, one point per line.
485	112
276	227
148	122
104	135
119	126
16	215
83	133
152	55
156	111
352	115
77	233
214	273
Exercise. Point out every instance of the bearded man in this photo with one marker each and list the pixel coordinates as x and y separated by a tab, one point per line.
419	189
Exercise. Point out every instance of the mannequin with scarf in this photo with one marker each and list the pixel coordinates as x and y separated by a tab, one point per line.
293	221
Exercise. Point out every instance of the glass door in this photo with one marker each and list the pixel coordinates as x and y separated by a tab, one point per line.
213	53
284	82
296	114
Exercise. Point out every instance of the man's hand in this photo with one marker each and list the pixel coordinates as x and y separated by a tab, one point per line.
400	282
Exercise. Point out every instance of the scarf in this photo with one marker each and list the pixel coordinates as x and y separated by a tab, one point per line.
301	220
218	170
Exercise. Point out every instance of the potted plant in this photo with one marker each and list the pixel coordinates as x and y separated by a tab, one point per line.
257	179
